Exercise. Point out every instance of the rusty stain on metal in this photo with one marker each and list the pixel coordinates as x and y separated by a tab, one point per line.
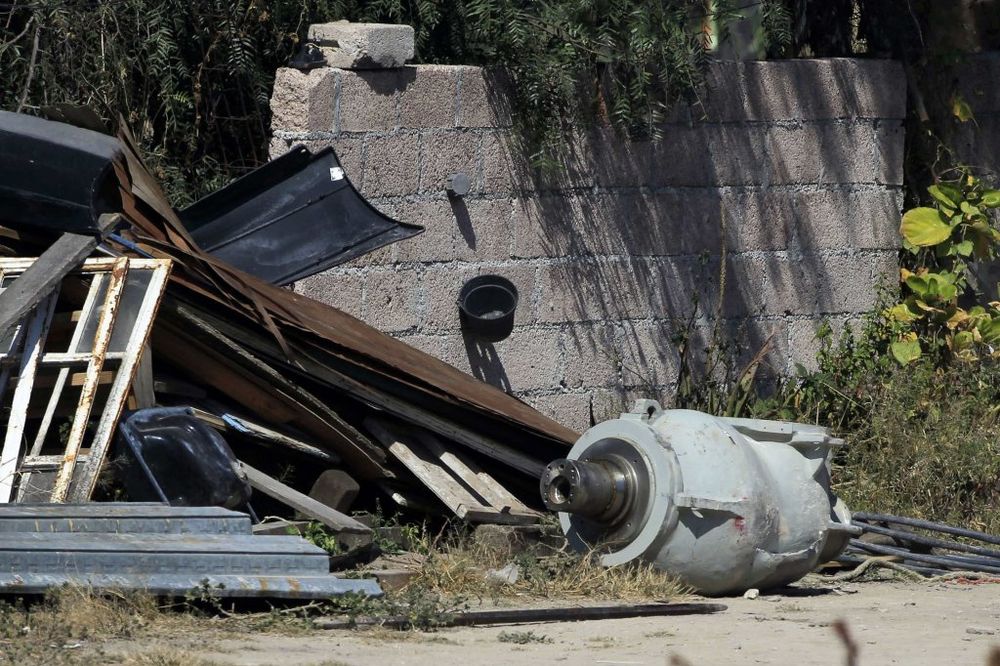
102	339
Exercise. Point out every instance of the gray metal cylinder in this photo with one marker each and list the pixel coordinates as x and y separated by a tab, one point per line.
725	504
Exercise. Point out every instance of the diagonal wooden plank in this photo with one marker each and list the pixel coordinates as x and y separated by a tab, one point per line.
102	339
34	342
44	274
477	479
136	342
435	477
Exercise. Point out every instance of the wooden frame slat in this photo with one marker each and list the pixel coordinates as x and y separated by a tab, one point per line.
102	340
34	341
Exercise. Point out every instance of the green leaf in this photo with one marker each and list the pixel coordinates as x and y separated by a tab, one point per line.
924	227
901	313
963	340
961	109
906	351
969	209
945	194
917	285
965	248
991	199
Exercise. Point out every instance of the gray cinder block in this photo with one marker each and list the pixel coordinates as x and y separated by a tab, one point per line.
363	45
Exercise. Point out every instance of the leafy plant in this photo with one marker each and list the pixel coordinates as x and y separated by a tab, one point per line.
944	239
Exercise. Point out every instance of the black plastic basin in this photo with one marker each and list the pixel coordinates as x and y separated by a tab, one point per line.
486	307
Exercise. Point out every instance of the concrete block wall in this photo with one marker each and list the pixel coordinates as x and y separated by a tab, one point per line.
771	206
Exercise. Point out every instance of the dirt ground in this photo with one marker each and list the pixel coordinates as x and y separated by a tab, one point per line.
891	622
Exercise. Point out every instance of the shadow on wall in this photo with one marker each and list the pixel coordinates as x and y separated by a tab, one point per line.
770	205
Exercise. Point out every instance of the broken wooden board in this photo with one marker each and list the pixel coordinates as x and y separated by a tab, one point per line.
105	342
44	275
464	493
307	506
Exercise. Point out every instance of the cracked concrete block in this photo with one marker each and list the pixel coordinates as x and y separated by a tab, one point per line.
363	45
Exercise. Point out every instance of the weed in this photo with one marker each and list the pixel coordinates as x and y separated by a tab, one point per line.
522	637
319	535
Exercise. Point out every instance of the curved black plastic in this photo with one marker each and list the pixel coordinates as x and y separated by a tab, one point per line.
55	176
291	218
486	306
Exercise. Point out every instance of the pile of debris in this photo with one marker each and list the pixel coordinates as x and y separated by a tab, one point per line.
152	354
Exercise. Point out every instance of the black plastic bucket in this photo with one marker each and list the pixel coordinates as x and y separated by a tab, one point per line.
486	307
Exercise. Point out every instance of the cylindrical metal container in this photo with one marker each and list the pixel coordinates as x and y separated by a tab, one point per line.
725	504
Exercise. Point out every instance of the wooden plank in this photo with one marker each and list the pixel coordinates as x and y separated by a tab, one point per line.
435	477
60	359
105	431
265	434
34	343
395	406
18	265
76	379
354	447
142	385
480	482
302	503
81	418
45	274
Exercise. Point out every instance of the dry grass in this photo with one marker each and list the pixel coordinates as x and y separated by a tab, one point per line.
458	567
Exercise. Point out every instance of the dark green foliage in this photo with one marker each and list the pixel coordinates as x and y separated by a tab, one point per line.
193	78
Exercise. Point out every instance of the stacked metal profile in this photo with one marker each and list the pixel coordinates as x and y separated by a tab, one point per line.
164	550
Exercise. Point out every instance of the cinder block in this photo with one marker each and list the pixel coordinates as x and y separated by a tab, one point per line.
368	101
484	229
591	356
594	290
445	153
342	290
431	98
824	89
824	152
278	147
391	165
303	101
804	344
392	299
889	152
484	98
569	409
528	360
505	167
363	45
441	286
843	218
758	219
817	284
336	489
348	150
649	357
439	240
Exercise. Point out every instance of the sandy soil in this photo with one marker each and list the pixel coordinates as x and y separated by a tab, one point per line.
892	623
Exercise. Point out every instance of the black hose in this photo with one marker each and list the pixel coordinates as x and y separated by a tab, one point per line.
926	525
913	537
949	562
858	557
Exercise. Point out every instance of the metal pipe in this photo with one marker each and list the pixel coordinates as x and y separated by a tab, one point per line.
596	489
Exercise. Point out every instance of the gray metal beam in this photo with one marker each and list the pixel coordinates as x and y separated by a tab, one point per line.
122	517
222	586
192	554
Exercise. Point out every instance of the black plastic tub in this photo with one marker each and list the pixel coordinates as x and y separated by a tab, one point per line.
486	307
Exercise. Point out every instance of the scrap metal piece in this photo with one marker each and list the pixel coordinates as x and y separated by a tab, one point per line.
192	554
122	517
180	585
725	504
291	218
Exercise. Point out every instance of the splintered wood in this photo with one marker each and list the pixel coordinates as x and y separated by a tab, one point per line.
468	491
97	322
